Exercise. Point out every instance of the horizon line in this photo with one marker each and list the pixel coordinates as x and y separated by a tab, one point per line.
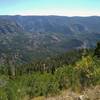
51	15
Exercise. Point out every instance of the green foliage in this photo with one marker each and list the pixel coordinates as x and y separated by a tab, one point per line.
48	77
3	95
3	69
43	84
85	69
63	76
97	50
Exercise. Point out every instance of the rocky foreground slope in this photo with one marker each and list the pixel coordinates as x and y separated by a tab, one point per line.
87	94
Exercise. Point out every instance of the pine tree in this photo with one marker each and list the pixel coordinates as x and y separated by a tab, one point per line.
97	50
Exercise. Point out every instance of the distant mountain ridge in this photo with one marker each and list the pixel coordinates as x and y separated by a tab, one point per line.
53	23
28	37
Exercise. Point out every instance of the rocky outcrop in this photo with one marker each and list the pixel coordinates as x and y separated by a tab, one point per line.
87	94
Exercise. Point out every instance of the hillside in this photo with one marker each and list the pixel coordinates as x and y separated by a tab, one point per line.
40	57
72	76
35	37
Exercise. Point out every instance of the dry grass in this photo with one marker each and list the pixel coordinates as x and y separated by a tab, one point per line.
39	98
88	94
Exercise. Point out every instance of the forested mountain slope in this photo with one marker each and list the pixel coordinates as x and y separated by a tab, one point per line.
27	37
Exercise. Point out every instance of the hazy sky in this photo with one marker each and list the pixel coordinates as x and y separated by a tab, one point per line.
50	7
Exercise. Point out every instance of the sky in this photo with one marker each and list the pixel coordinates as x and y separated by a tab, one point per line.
50	7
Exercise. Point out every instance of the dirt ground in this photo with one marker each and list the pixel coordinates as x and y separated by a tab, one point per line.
87	94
